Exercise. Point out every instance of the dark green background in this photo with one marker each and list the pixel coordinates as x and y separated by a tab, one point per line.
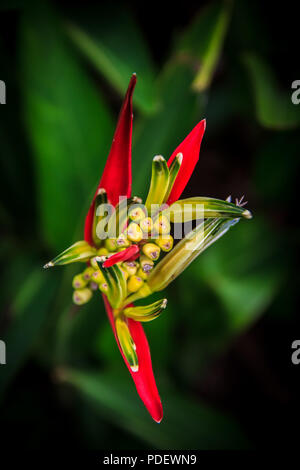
222	349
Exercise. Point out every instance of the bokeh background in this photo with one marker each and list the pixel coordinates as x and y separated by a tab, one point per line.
222	350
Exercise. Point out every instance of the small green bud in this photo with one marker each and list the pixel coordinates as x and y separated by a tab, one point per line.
78	282
151	250
82	296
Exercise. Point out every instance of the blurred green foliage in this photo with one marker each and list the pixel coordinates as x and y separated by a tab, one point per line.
69	73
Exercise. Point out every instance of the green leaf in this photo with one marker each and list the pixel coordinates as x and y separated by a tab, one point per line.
68	123
245	271
30	310
274	108
225	291
187	424
114	44
202	43
181	105
276	170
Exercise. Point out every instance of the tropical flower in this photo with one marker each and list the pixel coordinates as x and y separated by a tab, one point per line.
129	249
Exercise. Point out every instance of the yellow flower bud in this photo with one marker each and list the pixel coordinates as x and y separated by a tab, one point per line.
82	296
142	274
111	244
136	214
134	283
134	232
98	277
146	263
87	273
103	287
122	241
165	243
151	250
130	267
102	251
162	225
146	224
78	282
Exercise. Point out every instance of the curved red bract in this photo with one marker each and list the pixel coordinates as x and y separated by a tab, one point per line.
144	377
116	177
124	255
190	148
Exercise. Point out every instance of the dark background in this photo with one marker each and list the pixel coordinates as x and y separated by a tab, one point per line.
222	350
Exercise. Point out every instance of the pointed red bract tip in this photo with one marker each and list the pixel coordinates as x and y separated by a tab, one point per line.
190	148
124	255
144	378
116	177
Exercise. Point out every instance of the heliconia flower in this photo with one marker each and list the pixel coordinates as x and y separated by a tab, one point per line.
124	240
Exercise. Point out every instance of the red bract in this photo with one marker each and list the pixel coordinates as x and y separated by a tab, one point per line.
116	180
190	148
129	253
143	378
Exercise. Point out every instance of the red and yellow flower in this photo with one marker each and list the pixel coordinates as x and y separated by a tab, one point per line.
129	248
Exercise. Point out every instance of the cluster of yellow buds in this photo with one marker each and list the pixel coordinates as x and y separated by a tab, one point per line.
136	271
132	253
